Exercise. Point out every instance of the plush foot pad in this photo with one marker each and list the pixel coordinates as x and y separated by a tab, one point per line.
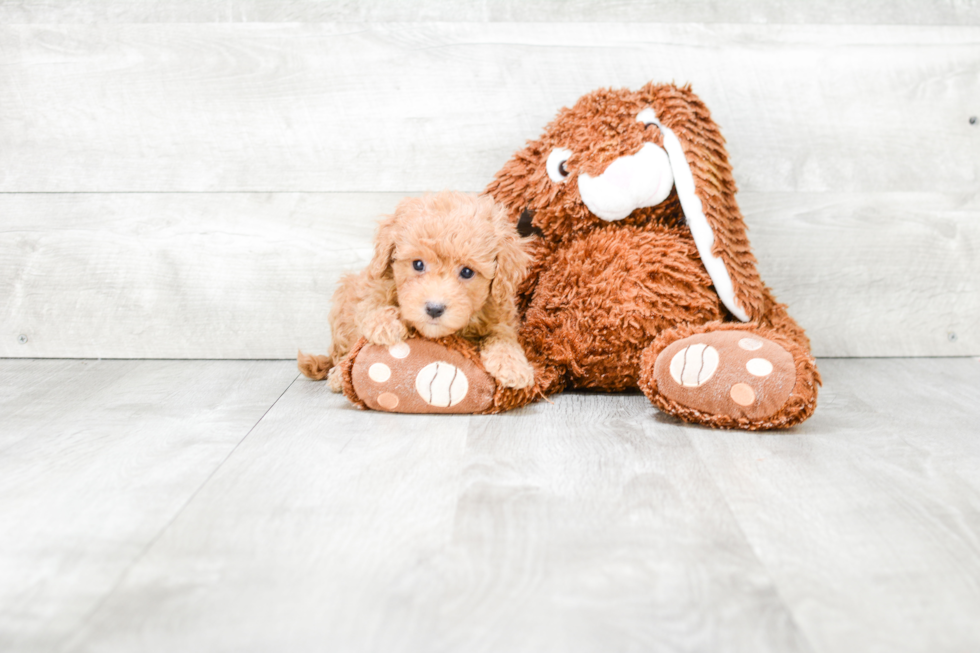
418	376
729	373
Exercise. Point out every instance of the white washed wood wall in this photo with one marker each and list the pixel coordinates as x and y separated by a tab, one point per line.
188	178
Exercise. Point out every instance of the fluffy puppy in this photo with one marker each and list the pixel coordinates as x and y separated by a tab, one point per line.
443	263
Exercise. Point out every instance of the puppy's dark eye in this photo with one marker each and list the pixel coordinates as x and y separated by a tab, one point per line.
466	273
418	265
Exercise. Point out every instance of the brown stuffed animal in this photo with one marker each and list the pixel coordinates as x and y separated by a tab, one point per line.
641	272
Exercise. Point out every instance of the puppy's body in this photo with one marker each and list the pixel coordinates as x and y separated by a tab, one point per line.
444	263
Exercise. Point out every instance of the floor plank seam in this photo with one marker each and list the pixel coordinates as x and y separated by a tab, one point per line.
74	639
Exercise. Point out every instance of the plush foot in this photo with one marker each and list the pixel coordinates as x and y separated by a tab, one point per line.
418	376
729	378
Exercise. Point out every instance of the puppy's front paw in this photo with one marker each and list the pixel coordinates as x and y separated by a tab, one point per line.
384	328
508	365
335	379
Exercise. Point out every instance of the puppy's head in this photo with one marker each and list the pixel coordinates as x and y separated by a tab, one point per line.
454	257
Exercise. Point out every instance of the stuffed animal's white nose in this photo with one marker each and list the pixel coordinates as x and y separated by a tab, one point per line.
628	183
619	176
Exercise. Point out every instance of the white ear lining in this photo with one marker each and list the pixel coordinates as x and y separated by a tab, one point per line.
704	237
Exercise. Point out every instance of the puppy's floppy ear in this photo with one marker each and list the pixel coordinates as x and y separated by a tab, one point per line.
512	260
384	247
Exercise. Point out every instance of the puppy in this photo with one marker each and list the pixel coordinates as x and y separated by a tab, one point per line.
443	263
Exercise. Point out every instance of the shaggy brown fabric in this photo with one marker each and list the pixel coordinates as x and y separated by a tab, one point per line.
346	365
605	293
602	299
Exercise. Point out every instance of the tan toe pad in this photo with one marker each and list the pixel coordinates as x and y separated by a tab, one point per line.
733	373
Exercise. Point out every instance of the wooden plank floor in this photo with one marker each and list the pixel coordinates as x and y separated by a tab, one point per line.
229	506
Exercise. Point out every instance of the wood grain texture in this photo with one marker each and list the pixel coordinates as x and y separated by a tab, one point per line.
97	458
329	515
598	533
177	275
229	275
593	523
44	385
868	515
404	107
560	527
874	274
886	12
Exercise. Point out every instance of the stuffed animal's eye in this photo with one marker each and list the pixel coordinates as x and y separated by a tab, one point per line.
466	273
418	265
648	117
556	164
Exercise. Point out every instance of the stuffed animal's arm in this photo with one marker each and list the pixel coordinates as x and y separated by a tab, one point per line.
539	251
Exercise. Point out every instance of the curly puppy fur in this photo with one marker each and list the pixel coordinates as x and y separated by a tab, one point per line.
446	263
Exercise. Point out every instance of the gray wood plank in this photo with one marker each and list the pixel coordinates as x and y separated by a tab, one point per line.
562	527
876	274
229	275
590	531
327	508
177	275
43	384
868	514
410	107
590	523
100	457
888	12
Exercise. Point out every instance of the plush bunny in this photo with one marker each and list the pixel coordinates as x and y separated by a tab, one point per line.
641	276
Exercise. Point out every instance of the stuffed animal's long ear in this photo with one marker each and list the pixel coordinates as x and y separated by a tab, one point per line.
706	189
384	247
512	260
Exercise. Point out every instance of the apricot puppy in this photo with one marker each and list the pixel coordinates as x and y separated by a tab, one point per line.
443	263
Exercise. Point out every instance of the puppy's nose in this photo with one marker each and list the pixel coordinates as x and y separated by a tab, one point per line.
434	310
